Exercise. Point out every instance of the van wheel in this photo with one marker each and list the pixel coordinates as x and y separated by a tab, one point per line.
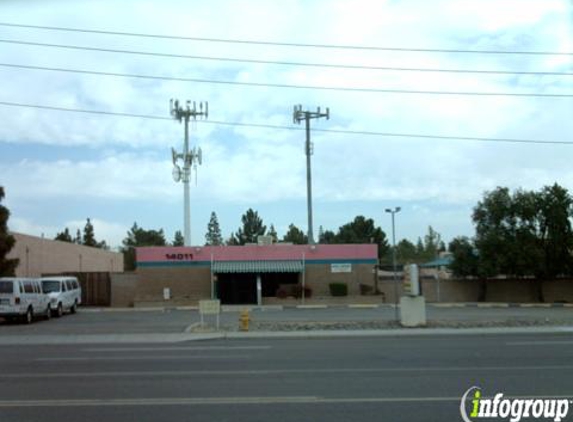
29	316
48	313
59	310
74	308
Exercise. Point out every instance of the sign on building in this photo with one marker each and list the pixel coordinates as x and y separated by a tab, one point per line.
341	268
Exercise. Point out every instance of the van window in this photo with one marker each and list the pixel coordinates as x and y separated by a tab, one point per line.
75	284
36	287
28	287
69	285
49	286
6	287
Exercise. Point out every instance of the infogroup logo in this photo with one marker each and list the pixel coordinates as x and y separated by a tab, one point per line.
514	409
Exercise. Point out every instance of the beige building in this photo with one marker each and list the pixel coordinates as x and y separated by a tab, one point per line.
44	256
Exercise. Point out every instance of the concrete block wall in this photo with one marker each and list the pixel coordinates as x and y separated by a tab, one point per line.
44	256
185	283
123	289
318	277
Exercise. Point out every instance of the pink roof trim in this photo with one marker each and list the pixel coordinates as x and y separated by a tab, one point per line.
260	253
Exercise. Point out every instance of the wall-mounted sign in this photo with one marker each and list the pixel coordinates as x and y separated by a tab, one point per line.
179	256
340	268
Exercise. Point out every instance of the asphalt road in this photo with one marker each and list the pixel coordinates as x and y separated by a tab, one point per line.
342	379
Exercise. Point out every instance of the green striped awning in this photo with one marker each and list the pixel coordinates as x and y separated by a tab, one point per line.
293	266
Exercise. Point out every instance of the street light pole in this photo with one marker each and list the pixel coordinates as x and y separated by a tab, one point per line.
395	278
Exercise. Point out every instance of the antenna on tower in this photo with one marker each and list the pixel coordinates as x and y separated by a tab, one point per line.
189	158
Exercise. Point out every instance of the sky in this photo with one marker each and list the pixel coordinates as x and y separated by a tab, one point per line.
60	167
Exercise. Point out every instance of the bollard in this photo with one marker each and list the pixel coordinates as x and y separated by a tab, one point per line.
244	320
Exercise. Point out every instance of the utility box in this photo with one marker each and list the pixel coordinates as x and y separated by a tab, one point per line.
412	304
411	280
413	311
166	293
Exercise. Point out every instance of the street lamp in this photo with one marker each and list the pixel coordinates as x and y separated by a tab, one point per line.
393	212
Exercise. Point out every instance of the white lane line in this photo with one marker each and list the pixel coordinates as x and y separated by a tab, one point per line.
538	342
176	348
126	358
266	372
214	401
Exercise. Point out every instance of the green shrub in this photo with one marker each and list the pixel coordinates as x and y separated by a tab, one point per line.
338	289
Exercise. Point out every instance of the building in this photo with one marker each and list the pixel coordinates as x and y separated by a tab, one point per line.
39	256
251	274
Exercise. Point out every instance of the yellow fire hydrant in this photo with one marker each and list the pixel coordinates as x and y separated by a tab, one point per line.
244	320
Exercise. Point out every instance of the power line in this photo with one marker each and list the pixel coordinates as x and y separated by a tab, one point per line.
286	63
296	128
283	44
289	86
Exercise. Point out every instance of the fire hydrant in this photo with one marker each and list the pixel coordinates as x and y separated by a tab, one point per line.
244	320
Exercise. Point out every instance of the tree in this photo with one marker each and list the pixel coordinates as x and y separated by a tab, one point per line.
78	239
327	237
432	244
363	230
465	263
178	239
213	236
138	237
295	236
525	233
88	238
7	242
253	227
273	234
64	236
406	252
556	235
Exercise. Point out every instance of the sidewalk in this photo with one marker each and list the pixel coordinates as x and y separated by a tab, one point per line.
239	308
184	337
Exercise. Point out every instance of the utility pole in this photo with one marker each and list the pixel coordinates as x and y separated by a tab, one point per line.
298	116
189	157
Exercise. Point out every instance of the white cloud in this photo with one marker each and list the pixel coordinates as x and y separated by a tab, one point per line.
252	165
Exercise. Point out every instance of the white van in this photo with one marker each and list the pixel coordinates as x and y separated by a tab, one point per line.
23	299
64	292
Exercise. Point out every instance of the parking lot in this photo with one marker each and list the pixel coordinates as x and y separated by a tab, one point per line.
112	321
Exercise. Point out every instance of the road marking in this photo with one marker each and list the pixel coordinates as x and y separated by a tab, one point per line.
183	348
99	358
535	305
311	306
217	401
538	343
493	305
266	372
363	306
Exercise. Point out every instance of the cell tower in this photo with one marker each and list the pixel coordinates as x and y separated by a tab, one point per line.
298	116
190	158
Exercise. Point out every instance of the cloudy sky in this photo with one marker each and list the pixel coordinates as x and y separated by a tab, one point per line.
60	167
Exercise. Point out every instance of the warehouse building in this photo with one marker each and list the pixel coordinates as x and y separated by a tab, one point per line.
252	273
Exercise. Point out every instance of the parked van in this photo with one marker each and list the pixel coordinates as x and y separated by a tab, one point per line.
23	299
64	292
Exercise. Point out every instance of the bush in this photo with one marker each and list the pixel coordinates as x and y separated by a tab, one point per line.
338	289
